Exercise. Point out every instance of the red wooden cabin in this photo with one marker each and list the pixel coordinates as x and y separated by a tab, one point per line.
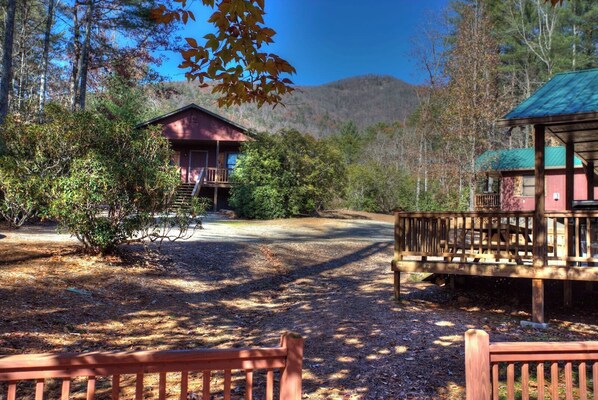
506	180
206	146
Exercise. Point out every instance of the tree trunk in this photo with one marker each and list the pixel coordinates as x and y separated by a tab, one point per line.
45	56
76	56
6	78
84	59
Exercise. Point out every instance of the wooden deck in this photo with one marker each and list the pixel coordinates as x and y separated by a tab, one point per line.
495	243
217	177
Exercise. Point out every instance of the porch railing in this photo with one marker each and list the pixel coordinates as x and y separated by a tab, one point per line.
518	370
218	175
55	374
487	201
572	237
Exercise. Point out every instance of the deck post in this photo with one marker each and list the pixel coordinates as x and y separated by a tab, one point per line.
215	198
477	365
539	228
569	197
569	176
590	179
290	375
397	285
399	237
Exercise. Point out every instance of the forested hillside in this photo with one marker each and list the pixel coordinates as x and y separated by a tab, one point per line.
319	110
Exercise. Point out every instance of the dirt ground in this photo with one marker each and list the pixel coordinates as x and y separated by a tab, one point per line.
243	283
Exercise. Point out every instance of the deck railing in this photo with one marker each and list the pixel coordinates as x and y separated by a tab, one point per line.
105	370
487	201
572	237
518	370
218	175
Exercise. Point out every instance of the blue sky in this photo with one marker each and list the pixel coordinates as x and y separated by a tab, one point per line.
327	40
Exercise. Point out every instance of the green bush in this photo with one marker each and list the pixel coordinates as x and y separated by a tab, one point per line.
284	175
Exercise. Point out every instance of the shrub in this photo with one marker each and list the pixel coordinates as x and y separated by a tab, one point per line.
285	175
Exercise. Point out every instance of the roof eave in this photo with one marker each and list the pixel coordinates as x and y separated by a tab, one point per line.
548	120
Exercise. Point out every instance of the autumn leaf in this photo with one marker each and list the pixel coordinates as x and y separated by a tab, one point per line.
229	58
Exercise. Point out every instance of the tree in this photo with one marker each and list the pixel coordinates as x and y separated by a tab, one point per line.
45	56
7	47
348	141
473	102
285	175
233	56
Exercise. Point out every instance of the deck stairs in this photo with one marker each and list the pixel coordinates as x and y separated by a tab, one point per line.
183	196
186	191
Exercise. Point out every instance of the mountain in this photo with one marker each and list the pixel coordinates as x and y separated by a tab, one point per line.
319	110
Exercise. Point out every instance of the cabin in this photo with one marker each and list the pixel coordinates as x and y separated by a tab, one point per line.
506	180
206	146
537	245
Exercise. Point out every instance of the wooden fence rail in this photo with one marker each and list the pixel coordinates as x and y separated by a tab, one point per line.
496	235
218	175
487	201
529	370
286	360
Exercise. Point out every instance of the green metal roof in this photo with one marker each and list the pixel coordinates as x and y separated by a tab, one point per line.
521	159
565	94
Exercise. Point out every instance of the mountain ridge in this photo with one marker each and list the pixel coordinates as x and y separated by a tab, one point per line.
320	110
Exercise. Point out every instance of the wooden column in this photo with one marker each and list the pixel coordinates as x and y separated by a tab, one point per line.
291	374
477	365
590	179
569	176
399	239
539	231
216	175
216	198
569	198
397	285
217	153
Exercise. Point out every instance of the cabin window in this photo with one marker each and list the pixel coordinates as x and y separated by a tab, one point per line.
528	185
231	160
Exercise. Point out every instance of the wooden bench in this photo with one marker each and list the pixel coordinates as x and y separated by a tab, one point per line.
517	370
286	360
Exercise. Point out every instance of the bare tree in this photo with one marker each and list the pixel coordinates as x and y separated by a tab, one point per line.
6	79
45	55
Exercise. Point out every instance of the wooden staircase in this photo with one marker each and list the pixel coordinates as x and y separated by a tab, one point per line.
186	191
183	196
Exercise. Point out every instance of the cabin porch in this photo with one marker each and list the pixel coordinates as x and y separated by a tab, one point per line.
538	245
496	244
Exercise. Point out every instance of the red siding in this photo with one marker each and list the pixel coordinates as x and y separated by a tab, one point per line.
555	183
193	124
